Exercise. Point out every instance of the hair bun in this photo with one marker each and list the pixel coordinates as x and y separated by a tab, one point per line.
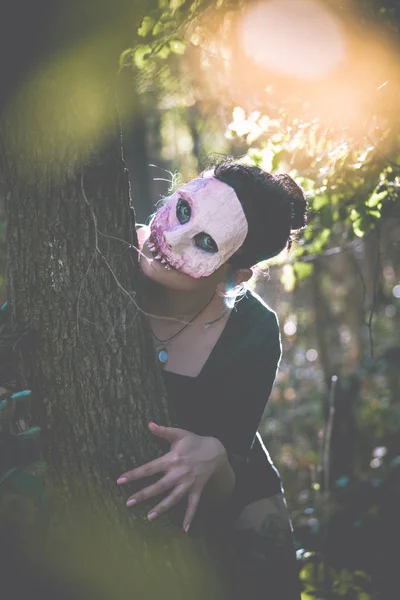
274	206
298	201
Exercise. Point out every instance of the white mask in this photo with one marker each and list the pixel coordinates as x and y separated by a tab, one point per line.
199	227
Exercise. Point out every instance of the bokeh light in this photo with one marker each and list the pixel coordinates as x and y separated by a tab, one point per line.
311	355
290	327
390	310
297	38
379	452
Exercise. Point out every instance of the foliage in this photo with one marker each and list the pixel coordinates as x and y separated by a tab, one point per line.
318	580
349	183
162	32
351	177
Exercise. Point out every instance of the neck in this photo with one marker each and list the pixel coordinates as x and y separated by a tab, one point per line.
178	304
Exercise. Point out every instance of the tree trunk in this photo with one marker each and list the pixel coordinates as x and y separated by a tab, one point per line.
73	283
133	112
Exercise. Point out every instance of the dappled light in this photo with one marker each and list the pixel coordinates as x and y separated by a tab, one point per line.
312	57
99	130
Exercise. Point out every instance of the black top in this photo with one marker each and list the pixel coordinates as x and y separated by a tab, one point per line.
227	399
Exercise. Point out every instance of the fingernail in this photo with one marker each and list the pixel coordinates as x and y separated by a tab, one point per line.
131	502
186	528
152	516
154	424
122	480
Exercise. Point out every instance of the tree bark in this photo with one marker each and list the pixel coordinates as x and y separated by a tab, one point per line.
72	280
73	283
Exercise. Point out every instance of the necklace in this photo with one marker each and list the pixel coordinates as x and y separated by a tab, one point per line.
162	351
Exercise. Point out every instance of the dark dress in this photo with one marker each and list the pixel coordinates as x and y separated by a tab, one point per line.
227	400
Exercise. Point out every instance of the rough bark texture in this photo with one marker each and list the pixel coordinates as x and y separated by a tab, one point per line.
72	282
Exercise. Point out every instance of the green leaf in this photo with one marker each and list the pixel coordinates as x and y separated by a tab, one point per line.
255	156
358	228
163	52
158	28
303	269
319	201
374	213
276	159
175	4
141	55
376	198
319	241
177	46
306	572
146	26
307	184
354	214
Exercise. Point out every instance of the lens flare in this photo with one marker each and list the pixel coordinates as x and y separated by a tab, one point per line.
296	38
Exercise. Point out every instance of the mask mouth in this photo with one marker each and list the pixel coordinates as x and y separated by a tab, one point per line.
154	247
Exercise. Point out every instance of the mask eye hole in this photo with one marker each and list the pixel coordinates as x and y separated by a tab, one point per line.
183	211
205	242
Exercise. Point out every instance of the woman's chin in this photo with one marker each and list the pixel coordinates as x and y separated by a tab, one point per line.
156	272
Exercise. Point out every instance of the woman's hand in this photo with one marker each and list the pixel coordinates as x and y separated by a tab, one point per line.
187	467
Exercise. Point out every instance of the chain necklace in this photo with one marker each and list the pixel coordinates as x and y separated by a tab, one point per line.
162	351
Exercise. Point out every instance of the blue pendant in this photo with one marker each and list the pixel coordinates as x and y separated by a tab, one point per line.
162	355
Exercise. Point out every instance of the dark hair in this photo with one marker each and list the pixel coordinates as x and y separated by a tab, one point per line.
274	205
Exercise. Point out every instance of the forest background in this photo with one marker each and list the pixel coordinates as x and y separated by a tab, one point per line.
310	89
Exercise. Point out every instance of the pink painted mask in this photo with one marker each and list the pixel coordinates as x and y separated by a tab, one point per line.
198	228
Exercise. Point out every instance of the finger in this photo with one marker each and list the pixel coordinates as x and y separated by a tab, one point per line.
155	466
171	434
193	503
173	498
164	484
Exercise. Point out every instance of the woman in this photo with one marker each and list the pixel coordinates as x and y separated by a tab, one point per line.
219	355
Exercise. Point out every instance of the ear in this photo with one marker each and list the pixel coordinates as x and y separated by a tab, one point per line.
242	275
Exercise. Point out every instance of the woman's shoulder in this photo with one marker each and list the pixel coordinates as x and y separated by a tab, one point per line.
253	330
250	342
253	311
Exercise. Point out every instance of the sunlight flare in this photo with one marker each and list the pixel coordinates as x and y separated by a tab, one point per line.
297	38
